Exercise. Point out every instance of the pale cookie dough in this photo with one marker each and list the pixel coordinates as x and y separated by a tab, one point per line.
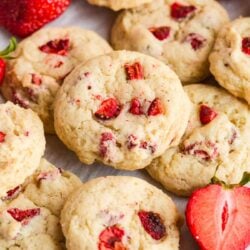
179	33
41	63
230	59
22	144
29	213
123	109
216	143
119	4
120	213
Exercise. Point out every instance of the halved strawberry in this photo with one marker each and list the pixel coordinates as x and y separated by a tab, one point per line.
134	71
109	109
156	108
180	11
219	218
20	215
207	114
161	33
246	45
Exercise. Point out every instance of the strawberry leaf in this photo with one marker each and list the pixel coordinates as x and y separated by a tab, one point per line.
10	48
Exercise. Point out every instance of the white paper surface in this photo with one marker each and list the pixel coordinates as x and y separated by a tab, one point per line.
100	20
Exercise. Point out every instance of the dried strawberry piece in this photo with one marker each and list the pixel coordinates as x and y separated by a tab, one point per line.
156	107
37	80
180	11
12	193
246	45
148	146
17	99
109	109
161	33
233	137
20	215
132	141
2	137
50	175
197	41
153	224
106	139
134	71
111	239
207	114
135	107
58	46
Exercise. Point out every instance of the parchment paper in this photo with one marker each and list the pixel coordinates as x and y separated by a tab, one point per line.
100	20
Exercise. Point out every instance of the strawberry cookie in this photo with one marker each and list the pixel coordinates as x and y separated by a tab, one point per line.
123	109
124	213
179	33
29	213
230	59
42	61
22	144
119	4
216	143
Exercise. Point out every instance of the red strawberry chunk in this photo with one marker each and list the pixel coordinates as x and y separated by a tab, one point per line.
156	108
180	11
2	70
58	46
35	79
246	45
197	41
132	142
148	146
106	140
109	109
21	215
218	218
111	239
135	107
12	193
17	99
2	137
134	71
153	224
161	33
207	114
50	175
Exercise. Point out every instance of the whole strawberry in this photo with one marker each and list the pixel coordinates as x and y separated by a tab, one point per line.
5	55
218	216
23	17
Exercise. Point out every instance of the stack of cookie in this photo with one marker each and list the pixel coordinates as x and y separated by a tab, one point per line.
127	109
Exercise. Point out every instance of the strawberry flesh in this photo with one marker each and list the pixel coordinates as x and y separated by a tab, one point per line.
132	142
2	70
111	239
35	79
106	139
12	193
207	114
21	215
218	217
135	107
161	33
58	46
180	11
156	108
246	45
23	17
153	224
109	109
2	137
134	71
197	41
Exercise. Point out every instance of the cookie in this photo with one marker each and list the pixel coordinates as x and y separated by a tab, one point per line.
120	213
230	59
179	33
119	4
123	109
27	222
22	144
41	63
216	143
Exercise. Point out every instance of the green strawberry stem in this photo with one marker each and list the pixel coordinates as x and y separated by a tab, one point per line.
10	48
245	179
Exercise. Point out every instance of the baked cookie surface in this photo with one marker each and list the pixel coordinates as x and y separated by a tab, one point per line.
120	213
22	144
179	33
216	143
230	59
123	109
29	213
119	4
41	63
